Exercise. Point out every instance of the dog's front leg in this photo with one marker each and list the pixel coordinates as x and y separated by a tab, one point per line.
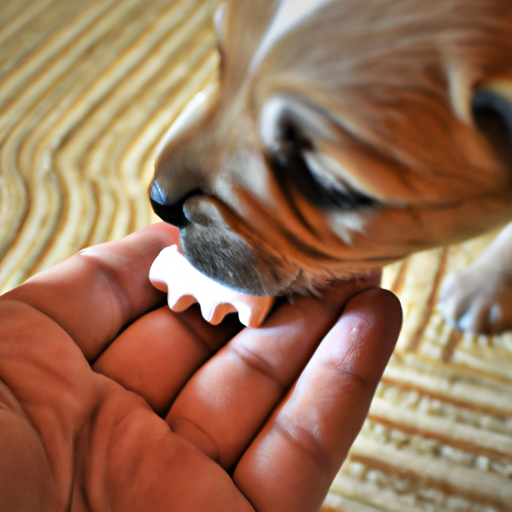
479	297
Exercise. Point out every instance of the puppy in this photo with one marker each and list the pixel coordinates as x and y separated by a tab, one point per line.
344	135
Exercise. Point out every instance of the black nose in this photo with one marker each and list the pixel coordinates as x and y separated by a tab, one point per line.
167	211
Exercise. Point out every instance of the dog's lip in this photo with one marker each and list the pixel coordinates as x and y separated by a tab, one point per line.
260	285
198	209
207	212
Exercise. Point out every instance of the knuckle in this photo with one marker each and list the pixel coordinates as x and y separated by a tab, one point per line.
305	440
257	362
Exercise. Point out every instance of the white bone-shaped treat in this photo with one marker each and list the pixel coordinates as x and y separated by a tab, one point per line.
185	285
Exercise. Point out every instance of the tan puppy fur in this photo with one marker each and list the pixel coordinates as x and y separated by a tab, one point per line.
342	135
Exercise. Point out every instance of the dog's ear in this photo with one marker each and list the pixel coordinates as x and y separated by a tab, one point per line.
492	114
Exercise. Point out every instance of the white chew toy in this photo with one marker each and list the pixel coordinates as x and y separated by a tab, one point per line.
185	285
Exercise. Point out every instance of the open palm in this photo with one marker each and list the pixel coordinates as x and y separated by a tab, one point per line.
111	402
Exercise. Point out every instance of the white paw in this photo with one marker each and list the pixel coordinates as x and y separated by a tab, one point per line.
478	299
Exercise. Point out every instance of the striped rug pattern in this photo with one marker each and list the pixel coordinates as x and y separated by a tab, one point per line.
87	88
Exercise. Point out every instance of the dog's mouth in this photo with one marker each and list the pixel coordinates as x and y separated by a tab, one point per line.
214	240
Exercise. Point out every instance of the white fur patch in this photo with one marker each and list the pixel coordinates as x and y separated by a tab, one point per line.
312	123
327	171
196	108
345	224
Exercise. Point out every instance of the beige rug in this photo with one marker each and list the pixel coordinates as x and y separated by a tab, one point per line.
87	88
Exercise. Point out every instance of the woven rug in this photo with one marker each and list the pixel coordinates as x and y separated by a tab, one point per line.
87	88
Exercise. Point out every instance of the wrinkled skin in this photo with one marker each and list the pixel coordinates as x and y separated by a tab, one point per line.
109	401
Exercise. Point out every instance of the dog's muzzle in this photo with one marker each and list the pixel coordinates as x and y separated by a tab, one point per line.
211	240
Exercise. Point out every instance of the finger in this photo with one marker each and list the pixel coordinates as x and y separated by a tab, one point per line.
157	354
225	403
96	292
294	459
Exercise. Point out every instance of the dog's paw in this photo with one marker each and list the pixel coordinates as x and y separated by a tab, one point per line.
478	299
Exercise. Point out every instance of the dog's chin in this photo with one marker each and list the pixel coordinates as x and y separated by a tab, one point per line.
214	241
228	258
231	260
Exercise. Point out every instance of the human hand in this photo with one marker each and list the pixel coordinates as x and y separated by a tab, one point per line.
107	403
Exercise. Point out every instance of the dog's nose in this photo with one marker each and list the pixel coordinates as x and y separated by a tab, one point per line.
171	212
